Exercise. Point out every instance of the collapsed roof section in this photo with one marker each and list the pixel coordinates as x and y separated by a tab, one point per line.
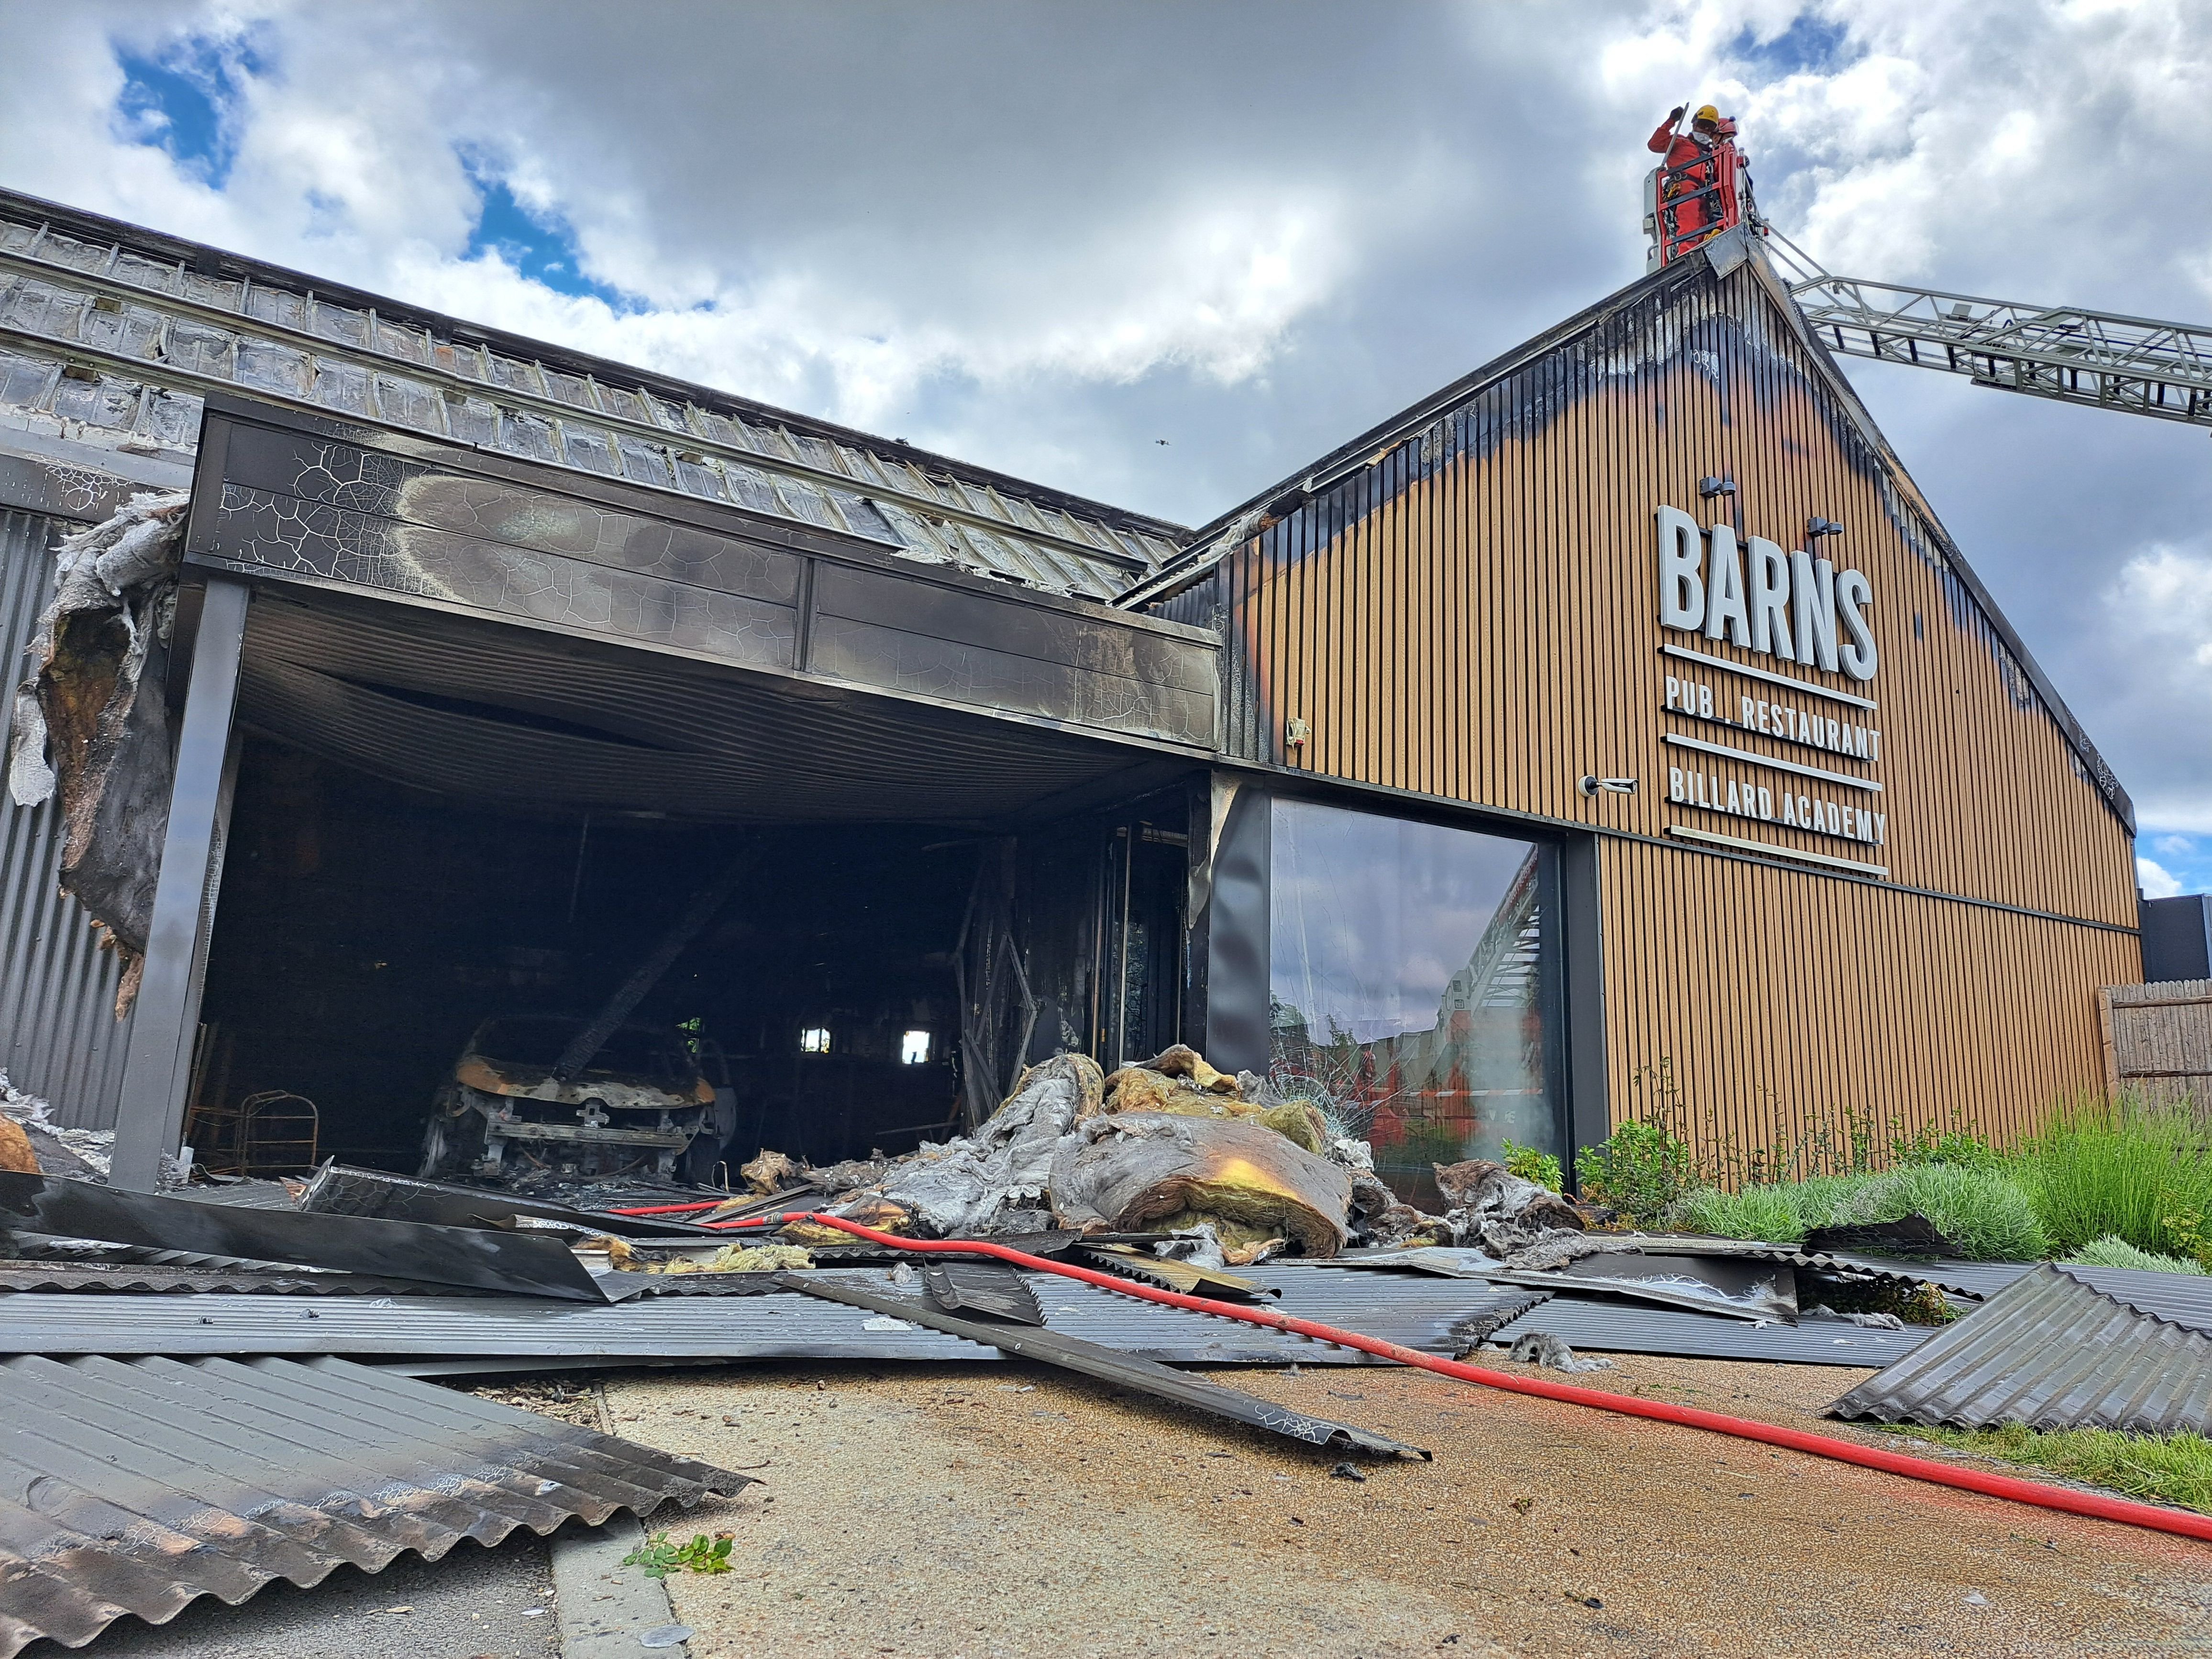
110	336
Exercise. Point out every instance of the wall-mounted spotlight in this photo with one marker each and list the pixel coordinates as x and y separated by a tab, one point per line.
1296	732
1816	528
1712	487
1594	786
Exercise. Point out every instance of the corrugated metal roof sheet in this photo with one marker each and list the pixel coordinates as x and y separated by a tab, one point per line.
139	1486
2052	1352
138	313
1416	1313
1612	1327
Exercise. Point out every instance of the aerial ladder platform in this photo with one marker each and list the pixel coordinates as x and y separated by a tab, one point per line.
2069	353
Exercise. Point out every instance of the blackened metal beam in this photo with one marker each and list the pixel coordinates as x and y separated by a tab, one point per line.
1127	1371
150	1114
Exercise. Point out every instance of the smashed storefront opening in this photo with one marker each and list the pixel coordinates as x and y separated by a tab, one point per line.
507	696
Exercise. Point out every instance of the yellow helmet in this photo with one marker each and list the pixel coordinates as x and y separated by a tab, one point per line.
1706	113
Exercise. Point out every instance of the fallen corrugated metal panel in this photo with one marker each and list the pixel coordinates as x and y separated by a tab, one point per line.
136	1486
126	1278
480	1258
1728	1287
990	1289
2052	1352
1146	1376
338	1189
1614	1327
761	1322
2185	1299
59	1038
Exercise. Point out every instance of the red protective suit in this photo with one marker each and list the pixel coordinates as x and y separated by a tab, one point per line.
1680	149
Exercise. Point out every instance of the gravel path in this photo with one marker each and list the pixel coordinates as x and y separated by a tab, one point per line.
999	1510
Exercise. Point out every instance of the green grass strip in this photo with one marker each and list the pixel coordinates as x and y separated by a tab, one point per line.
2174	1468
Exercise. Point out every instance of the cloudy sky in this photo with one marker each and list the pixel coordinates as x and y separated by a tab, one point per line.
1163	253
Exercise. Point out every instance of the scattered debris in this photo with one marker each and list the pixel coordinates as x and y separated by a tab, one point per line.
1552	1352
1347	1472
81	727
1262	1192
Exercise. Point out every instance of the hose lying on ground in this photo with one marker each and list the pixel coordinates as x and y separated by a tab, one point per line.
2042	1496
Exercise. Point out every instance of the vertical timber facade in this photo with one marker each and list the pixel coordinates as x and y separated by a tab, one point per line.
1889	897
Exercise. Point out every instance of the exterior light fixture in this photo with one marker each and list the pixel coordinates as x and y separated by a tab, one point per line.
1596	785
913	1048
1296	732
1816	528
1712	487
814	1040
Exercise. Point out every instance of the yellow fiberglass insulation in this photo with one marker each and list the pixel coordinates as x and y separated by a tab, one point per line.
1155	1171
1133	1089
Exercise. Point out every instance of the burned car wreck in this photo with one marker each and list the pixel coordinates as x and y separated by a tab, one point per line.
636	1106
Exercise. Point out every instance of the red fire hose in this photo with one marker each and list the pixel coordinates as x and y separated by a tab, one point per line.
2181	1522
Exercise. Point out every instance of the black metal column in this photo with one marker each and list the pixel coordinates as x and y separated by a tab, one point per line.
150	1116
1581	934
1237	946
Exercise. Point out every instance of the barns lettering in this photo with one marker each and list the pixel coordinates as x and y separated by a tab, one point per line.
1789	606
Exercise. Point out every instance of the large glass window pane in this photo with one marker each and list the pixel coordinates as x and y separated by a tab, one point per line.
1406	978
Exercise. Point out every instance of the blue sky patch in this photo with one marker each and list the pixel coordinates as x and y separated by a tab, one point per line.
1811	45
182	99
539	245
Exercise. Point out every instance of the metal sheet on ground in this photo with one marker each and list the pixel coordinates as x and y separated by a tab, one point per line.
1414	1311
989	1289
1616	1327
1146	1376
2052	1352
339	1189
479	1258
139	1486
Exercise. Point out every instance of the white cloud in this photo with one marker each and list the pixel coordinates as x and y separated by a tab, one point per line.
1044	237
2154	881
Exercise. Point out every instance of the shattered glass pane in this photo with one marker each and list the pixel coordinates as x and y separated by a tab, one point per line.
145	273
103	402
341	386
524	434
42	308
1406	981
172	420
271	367
473	421
338	323
23	379
410	403
129	331
645	464
589	449
196	346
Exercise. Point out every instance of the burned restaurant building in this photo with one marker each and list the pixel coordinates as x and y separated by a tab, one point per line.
1615	730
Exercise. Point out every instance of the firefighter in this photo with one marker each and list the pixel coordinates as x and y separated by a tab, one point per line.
1689	171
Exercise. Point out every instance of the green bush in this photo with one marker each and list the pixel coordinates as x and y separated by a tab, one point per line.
1532	1164
1641	1170
1957	1145
2130	1170
1782	1212
2110	1252
1983	1212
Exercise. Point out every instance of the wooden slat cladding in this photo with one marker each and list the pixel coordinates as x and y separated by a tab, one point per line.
1487	629
2158	1039
1782	1001
1474	616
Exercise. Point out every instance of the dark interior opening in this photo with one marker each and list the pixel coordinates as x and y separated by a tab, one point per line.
365	930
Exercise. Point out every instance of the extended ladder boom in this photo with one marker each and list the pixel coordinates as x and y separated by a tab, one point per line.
2134	364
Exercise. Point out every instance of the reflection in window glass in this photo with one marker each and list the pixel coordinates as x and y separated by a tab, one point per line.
1406	986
